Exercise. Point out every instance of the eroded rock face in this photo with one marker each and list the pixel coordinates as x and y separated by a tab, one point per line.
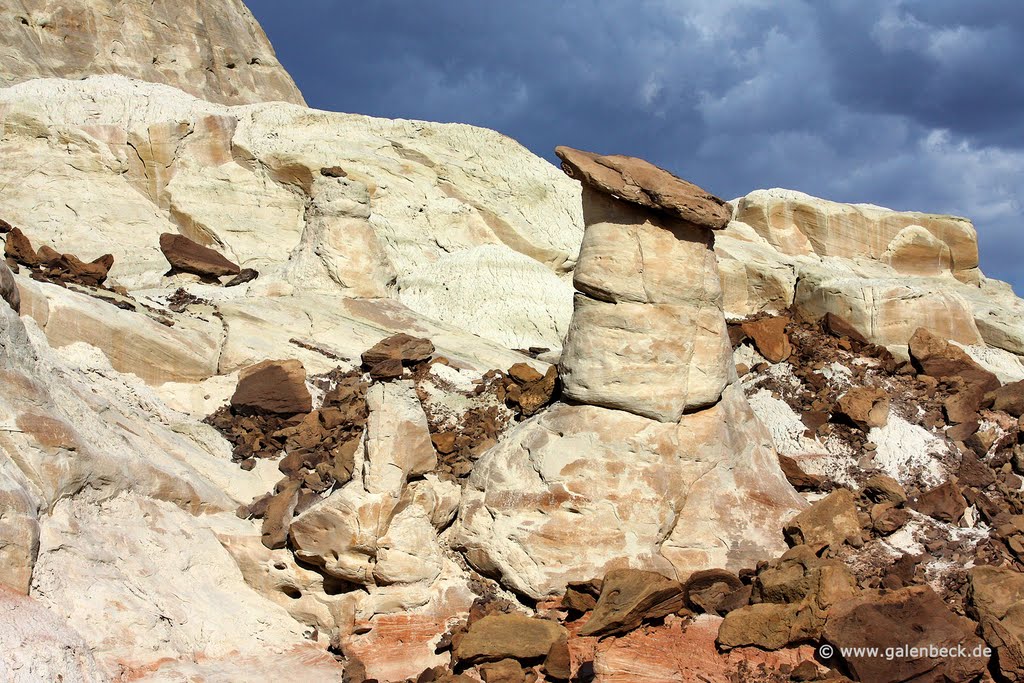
886	272
798	224
216	51
934	356
611	489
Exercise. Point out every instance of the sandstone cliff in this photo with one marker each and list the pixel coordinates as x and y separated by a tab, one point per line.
213	50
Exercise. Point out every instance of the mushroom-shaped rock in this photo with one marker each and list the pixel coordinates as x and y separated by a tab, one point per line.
648	334
641	182
191	257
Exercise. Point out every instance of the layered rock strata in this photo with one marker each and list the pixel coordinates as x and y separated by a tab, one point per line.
886	272
621	477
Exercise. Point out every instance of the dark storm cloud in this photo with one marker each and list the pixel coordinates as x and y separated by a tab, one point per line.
946	64
914	105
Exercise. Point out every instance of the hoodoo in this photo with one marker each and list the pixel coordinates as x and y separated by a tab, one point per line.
621	477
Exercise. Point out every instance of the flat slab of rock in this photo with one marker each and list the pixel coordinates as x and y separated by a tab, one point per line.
509	636
191	257
273	386
401	347
641	182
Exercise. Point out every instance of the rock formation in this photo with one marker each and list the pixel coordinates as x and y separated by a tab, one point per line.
216	51
885	272
648	334
448	422
647	341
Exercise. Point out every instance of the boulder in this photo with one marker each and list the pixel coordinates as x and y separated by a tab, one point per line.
765	625
829	521
504	671
18	248
800	577
992	591
1008	398
403	348
865	407
995	597
529	389
798	590
880	488
273	386
886	518
769	337
795	475
907	618
581	596
640	182
188	256
558	663
944	502
628	597
936	357
9	288
715	591
508	636
91	273
964	404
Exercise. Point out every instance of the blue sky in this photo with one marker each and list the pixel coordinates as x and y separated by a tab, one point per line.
911	104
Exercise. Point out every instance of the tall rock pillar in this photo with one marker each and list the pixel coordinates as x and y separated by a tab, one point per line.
648	333
657	462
